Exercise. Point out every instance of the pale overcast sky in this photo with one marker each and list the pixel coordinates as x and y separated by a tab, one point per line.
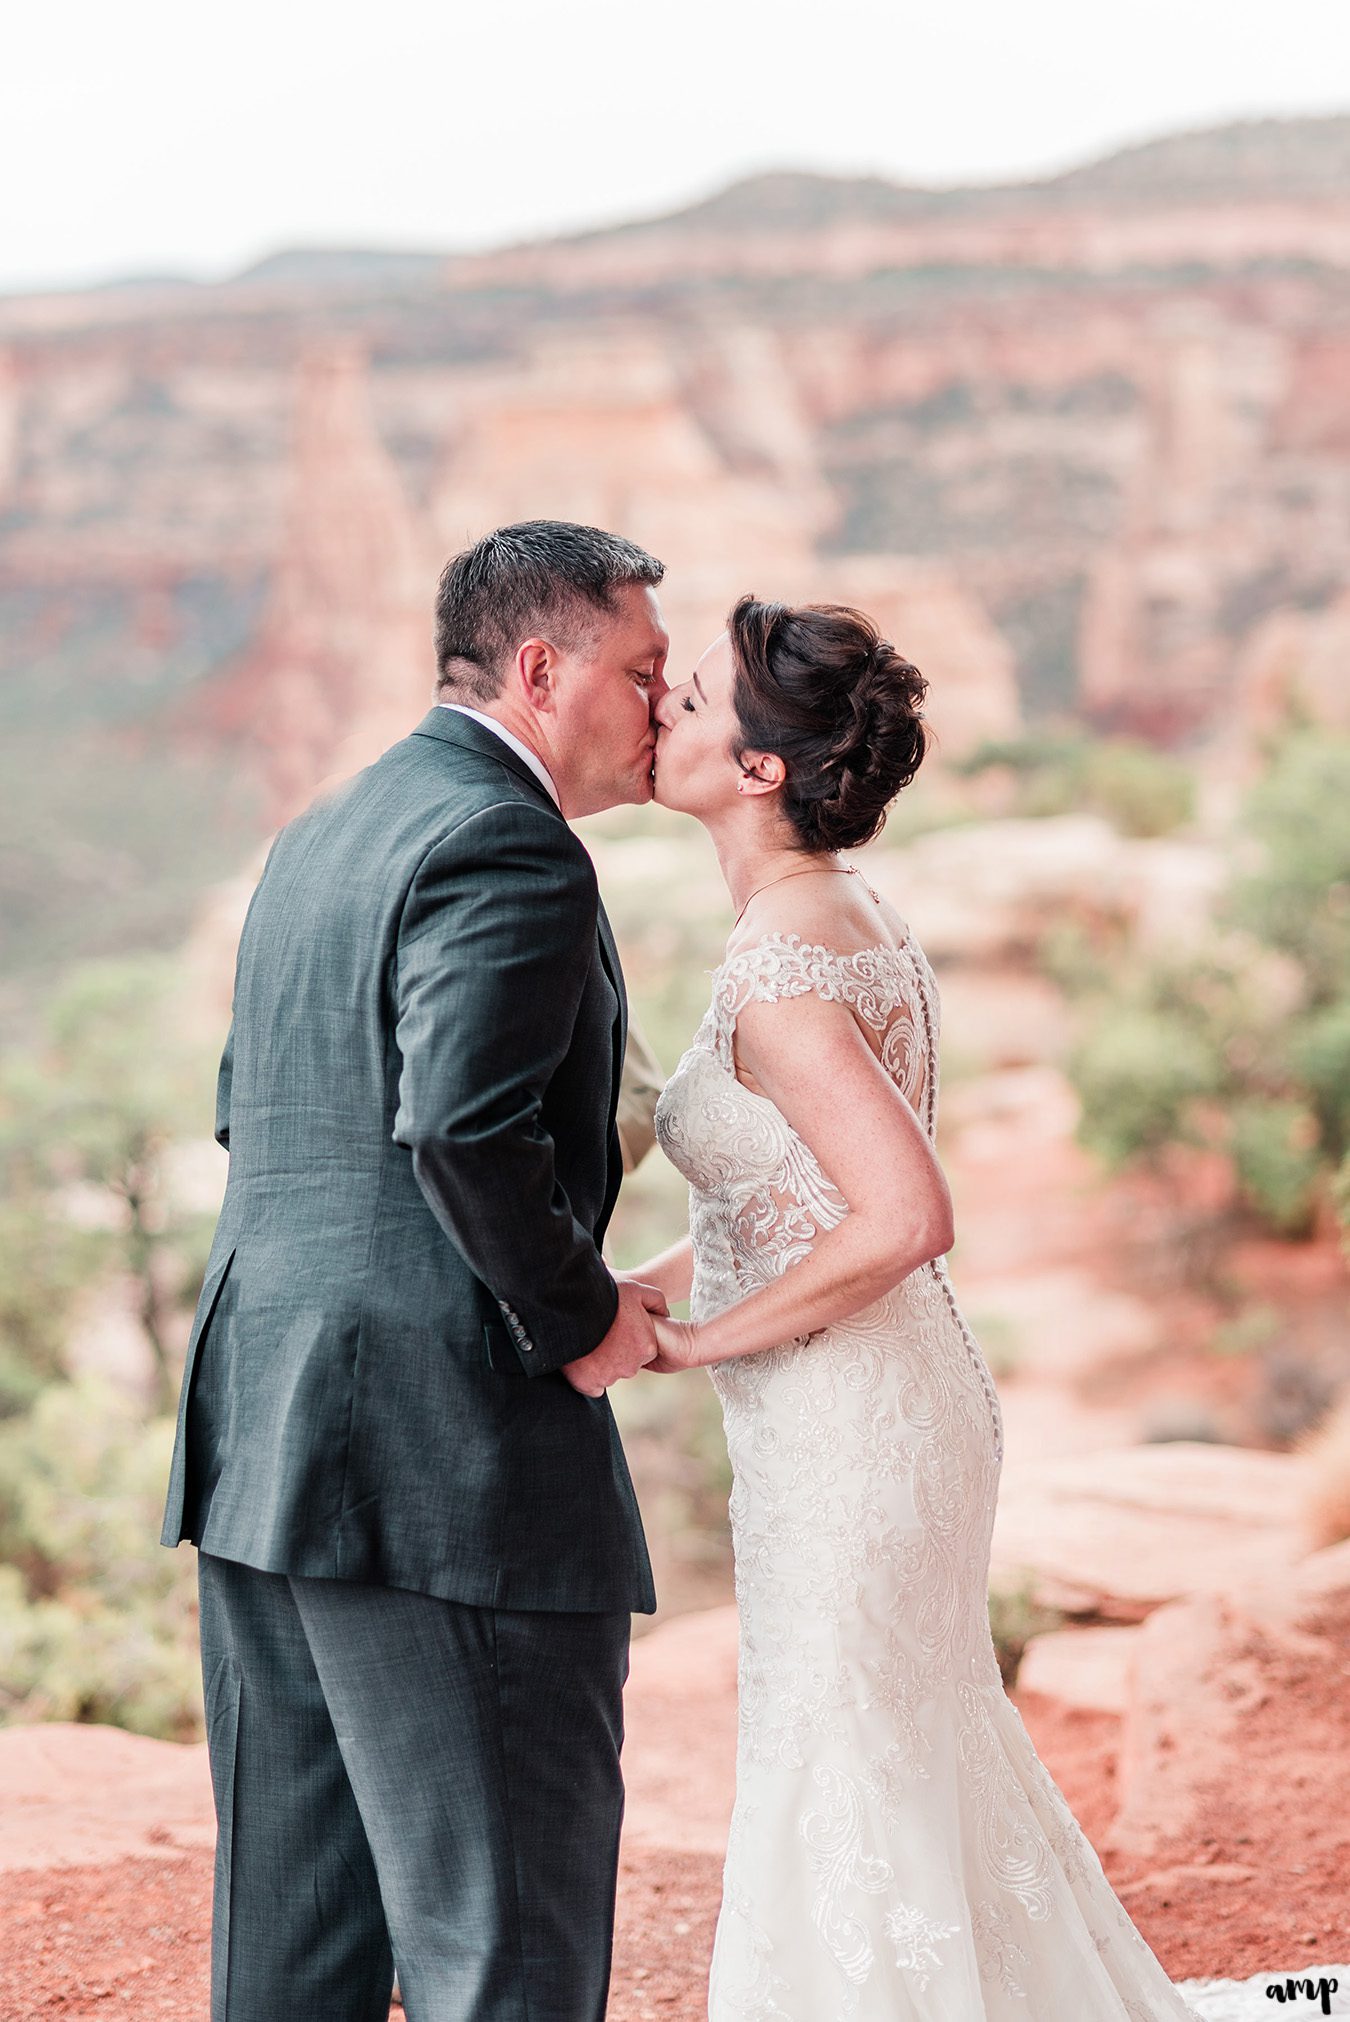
156	135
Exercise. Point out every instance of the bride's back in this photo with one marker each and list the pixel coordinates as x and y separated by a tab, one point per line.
840	914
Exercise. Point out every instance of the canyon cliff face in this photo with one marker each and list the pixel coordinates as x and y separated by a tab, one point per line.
1082	445
336	667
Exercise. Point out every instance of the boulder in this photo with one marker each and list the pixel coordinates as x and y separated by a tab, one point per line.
986	892
1084	1669
1237	1729
76	1796
1117	1534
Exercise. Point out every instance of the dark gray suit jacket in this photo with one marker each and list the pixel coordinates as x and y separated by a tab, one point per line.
418	1099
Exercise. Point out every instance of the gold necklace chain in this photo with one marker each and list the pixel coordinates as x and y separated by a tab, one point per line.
830	870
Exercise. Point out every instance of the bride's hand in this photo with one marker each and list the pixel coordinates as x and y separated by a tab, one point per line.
675	1346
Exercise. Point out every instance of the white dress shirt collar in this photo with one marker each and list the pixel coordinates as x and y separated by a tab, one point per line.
532	759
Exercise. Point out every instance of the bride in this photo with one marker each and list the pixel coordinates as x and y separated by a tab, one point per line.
898	1853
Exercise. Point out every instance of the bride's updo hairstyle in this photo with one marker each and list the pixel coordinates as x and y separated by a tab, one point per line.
818	685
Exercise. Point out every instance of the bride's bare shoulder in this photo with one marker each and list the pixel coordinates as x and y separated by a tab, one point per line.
836	912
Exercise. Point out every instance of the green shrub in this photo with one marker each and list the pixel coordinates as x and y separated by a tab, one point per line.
1298	898
1340	1200
1319	1052
1274	1146
1074	958
1247	1332
1000	1340
1015	1616
1245	1044
97	1621
1174	1420
44	1264
1138	1072
113	1083
1140	790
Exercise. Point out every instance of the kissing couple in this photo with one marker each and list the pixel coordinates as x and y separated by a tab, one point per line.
419	1547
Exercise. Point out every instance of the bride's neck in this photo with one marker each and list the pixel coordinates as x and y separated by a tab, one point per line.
751	857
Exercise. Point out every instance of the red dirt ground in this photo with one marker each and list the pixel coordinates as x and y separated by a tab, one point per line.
86	1944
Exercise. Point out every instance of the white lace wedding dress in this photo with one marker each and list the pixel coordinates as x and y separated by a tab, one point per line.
897	1853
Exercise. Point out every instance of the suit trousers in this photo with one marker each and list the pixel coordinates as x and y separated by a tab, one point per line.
400	1778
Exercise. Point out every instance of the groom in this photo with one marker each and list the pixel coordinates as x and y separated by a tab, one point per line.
419	1544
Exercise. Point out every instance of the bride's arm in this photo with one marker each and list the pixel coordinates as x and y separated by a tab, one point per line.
810	1058
672	1272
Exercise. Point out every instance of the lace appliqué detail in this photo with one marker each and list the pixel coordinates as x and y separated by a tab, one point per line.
916	1937
834	1834
991	1927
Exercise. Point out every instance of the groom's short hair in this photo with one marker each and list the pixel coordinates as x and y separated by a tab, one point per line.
545	578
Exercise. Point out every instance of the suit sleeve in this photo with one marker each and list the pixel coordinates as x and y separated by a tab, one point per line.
494	949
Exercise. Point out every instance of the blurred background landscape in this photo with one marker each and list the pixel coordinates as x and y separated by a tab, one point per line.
1082	445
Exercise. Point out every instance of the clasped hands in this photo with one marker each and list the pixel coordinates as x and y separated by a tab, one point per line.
642	1336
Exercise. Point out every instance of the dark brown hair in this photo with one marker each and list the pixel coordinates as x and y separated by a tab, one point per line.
818	685
548	576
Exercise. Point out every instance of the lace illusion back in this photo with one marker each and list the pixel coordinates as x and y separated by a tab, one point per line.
897	1853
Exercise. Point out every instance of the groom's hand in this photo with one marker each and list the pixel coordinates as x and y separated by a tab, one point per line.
629	1345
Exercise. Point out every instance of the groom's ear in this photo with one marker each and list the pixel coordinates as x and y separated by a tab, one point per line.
536	669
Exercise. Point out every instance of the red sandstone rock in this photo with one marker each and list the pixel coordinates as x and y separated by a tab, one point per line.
985	891
1087	1668
74	1796
1139	467
1239	1715
1118	1534
342	663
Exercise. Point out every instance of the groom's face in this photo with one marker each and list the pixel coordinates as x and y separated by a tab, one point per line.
607	691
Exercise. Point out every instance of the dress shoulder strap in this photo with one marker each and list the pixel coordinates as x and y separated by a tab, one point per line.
783	965
877	983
